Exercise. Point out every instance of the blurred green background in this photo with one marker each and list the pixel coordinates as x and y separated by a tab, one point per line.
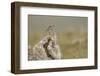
72	33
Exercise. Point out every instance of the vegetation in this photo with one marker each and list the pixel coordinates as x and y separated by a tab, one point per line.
73	44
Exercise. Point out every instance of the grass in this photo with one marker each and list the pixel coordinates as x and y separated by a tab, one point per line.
73	45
